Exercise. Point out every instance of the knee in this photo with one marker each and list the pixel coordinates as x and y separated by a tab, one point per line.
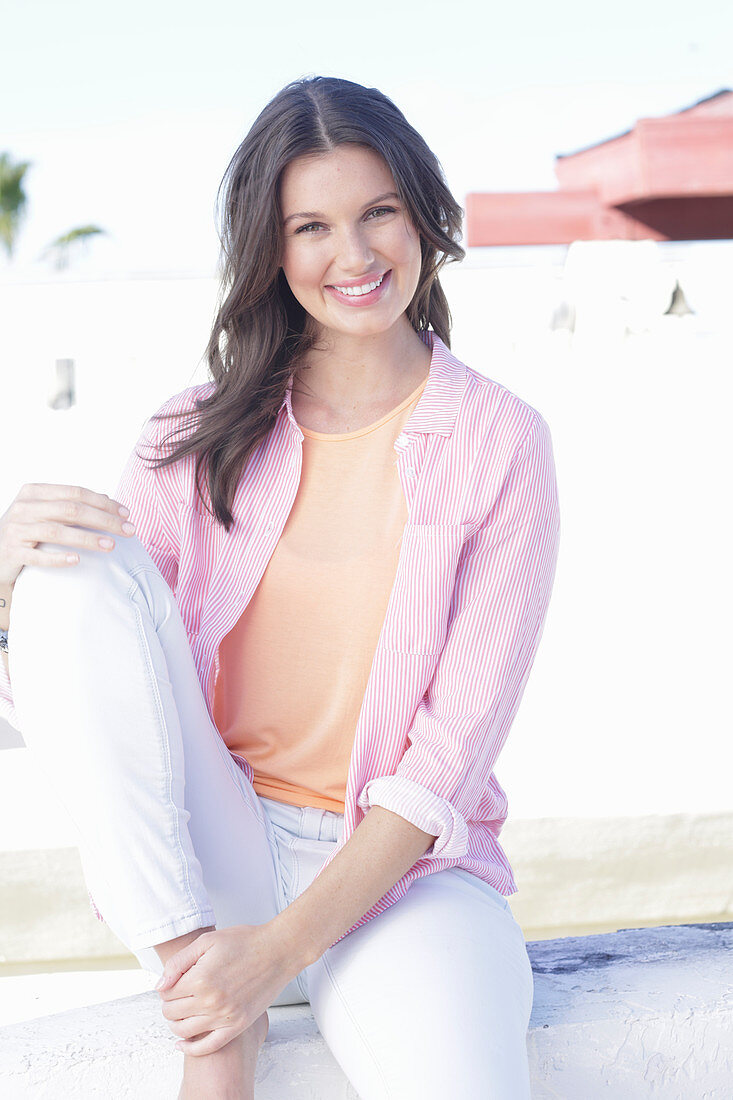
47	586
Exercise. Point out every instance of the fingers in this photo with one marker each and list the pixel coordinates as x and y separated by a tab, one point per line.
57	514
187	1023
190	1028
55	532
177	965
207	1044
61	520
68	501
44	490
178	1009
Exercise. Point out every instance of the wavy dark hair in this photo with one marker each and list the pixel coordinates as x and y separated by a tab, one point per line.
260	334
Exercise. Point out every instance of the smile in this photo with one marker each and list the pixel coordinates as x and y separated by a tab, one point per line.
351	290
367	292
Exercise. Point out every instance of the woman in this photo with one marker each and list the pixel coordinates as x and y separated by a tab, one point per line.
283	778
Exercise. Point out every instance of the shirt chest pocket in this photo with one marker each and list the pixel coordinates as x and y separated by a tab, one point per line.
416	620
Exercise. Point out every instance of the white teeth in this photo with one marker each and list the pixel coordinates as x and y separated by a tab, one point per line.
353	290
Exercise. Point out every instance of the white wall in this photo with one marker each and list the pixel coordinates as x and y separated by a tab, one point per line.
625	711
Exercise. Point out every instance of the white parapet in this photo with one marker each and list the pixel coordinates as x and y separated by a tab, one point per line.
630	1015
635	1014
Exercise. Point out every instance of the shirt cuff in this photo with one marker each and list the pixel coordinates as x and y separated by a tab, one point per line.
421	807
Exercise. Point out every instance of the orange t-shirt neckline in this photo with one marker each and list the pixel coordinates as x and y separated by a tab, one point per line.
337	436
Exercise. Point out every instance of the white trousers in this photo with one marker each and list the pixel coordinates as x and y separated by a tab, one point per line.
429	1000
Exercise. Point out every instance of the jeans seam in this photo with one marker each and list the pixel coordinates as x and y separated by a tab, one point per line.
282	898
143	567
292	841
152	681
295	869
234	770
272	844
367	1045
202	913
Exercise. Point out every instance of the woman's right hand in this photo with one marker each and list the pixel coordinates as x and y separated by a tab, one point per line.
59	514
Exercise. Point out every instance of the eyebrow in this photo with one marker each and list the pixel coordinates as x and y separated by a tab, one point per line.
317	214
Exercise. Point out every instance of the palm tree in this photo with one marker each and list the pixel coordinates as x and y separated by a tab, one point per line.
60	250
13	200
13	203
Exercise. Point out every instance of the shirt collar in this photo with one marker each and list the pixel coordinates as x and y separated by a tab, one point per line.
437	409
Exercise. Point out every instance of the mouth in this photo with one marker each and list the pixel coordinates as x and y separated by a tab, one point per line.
361	295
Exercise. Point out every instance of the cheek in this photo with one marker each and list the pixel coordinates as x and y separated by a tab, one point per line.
302	270
405	248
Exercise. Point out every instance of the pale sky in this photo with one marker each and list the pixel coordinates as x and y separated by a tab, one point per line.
130	114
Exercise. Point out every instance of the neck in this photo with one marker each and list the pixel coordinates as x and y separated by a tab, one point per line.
346	371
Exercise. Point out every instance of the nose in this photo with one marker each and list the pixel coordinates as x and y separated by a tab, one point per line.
354	255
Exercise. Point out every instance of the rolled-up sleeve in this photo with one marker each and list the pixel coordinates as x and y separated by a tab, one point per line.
498	610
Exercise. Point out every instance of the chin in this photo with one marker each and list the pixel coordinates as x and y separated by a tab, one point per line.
366	328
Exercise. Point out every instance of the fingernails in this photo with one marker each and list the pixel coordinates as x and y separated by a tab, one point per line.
160	983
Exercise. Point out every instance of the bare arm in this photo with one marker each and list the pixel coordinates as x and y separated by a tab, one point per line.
382	849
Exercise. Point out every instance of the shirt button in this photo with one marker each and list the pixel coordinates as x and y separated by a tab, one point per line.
269	528
410	471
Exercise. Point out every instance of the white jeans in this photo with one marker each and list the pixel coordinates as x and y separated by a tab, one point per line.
429	1000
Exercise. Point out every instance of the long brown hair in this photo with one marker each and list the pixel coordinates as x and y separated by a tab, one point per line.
259	335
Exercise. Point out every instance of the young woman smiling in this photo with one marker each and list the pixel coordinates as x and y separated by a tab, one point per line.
274	709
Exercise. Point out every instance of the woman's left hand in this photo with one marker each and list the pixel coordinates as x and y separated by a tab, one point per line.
222	981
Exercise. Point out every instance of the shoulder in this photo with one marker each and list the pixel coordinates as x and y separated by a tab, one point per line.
185	400
161	430
495	417
166	419
503	434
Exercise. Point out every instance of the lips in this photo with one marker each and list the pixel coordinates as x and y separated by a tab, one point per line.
362	288
356	299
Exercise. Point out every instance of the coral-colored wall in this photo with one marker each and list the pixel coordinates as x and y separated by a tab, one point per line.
666	179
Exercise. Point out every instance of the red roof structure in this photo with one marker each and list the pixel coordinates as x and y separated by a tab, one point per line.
665	179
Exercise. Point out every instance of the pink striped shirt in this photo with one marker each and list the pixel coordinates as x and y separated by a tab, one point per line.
465	614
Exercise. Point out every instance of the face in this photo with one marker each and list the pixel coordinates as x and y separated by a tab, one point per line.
344	229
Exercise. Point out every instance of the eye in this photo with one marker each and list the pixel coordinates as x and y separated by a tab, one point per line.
315	225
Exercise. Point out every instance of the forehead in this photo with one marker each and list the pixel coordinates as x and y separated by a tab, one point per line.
326	175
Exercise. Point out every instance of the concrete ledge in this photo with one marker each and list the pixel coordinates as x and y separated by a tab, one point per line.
627	1015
